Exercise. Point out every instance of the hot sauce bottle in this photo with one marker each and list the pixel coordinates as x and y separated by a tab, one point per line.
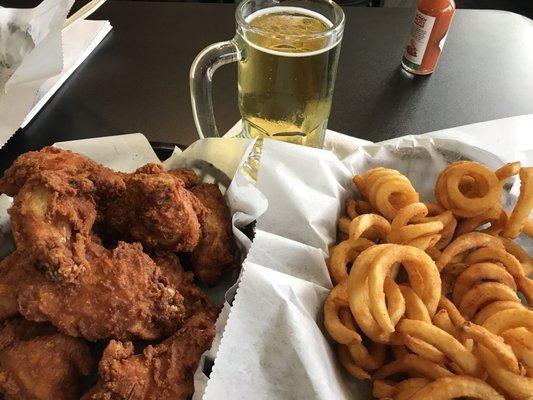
428	33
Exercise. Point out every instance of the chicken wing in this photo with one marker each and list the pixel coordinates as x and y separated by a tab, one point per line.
215	251
162	372
121	294
38	364
157	211
194	298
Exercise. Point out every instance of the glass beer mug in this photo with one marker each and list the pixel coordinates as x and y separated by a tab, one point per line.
287	53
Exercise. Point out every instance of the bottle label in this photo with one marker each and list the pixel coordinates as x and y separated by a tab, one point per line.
418	40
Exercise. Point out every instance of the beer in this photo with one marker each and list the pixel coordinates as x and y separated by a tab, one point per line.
286	74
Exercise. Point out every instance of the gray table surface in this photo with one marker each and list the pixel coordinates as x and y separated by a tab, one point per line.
137	80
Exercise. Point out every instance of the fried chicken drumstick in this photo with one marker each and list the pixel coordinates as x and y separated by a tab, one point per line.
36	363
162	372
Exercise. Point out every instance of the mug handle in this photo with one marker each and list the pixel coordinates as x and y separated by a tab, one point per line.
201	77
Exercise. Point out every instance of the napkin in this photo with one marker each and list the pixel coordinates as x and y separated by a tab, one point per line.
30	53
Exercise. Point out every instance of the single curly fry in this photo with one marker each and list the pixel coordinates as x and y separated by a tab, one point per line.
456	387
521	341
368	359
412	364
509	319
359	298
478	273
447	344
336	300
494	343
423	276
520	214
347	362
387	190
505	172
489	254
493	308
414	306
516	385
373	223
521	255
408	387
345	253
467	242
474	201
483	294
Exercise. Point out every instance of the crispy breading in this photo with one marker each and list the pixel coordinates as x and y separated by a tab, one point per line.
215	251
53	159
121	294
162	372
38	363
157	211
51	216
195	299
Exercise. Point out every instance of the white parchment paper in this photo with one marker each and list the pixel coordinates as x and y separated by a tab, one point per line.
274	346
30	53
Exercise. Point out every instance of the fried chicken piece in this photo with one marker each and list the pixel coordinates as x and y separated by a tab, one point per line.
51	216
121	294
195	299
162	372
38	364
215	251
52	159
17	329
157	211
13	270
187	176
